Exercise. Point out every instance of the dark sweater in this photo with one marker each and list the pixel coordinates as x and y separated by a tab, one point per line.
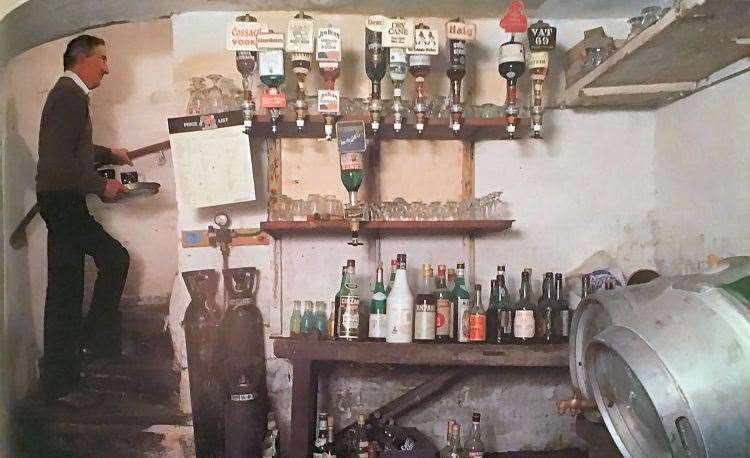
67	155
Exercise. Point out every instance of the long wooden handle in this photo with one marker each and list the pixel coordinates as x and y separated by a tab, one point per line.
18	236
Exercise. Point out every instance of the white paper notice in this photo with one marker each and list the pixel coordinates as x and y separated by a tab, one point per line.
212	167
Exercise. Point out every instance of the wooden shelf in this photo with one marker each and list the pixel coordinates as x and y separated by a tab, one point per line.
281	228
535	355
686	50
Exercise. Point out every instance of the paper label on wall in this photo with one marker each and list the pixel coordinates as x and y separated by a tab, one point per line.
460	31
328	45
271	62
269	40
300	36
243	36
328	101
425	42
398	33
212	167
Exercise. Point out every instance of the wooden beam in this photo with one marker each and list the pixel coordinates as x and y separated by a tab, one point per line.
638	89
467	171
304	403
273	146
240	237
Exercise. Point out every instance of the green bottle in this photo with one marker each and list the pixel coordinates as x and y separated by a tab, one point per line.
378	327
461	297
337	302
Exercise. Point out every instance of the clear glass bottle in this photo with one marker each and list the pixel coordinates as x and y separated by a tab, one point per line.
362	441
561	323
444	309
424	308
544	312
349	307
400	306
494	333
295	321
308	318
445	451
475	446
375	67
461	297
523	322
505	332
397	68
321	437
456	72
378	325
321	320
329	450
456	450
477	318
337	300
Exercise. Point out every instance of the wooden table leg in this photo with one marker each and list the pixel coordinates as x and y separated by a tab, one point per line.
304	404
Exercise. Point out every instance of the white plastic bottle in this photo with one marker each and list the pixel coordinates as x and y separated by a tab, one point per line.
400	307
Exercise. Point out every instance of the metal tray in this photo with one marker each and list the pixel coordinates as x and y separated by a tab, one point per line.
135	190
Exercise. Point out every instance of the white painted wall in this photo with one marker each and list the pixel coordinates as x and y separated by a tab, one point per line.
702	175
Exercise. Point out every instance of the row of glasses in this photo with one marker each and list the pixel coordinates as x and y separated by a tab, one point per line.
484	208
316	207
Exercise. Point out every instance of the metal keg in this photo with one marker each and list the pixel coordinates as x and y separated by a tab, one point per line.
669	367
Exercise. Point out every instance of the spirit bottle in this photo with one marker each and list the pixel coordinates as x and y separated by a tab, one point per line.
246	62
511	66
378	319
361	435
419	67
322	436
541	39
352	145
505	332
400	306
337	299
308	319
444	452
494	332
329	450
461	299
329	65
332	320
456	34
424	308
544	310
444	305
295	322
300	45
523	322
477	318
561	327
397	72
271	69
456	450
375	65
392	278
475	446
321	321
349	307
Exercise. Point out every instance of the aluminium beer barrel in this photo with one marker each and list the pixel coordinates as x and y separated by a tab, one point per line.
670	369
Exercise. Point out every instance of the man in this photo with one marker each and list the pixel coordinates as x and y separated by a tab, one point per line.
66	172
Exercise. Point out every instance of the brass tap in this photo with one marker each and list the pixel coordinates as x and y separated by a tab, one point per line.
575	405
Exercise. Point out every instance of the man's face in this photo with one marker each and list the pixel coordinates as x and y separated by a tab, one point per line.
92	68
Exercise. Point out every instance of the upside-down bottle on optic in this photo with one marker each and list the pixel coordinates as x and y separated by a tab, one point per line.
375	65
523	322
444	306
400	306
461	298
424	308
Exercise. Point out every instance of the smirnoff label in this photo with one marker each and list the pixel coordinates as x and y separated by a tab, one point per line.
300	36
460	31
424	321
349	313
398	33
425	42
243	36
443	318
328	45
463	320
328	101
523	325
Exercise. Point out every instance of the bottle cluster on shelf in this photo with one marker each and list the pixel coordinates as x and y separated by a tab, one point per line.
371	434
440	311
323	208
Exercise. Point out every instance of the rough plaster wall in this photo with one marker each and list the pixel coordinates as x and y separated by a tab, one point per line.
702	169
127	110
4	373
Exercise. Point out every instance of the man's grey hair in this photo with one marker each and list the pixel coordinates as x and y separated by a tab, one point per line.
82	45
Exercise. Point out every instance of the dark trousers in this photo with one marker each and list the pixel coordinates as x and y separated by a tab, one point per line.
72	233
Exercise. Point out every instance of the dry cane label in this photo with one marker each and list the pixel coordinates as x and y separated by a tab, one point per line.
243	36
351	161
425	42
300	36
460	31
328	45
477	327
328	101
398	33
523	326
442	319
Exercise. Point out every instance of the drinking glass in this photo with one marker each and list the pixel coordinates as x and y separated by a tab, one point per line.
450	210
214	97
650	14
400	209
334	207
300	210
435	210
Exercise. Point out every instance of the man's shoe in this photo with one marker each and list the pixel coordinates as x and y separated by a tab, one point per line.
77	400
